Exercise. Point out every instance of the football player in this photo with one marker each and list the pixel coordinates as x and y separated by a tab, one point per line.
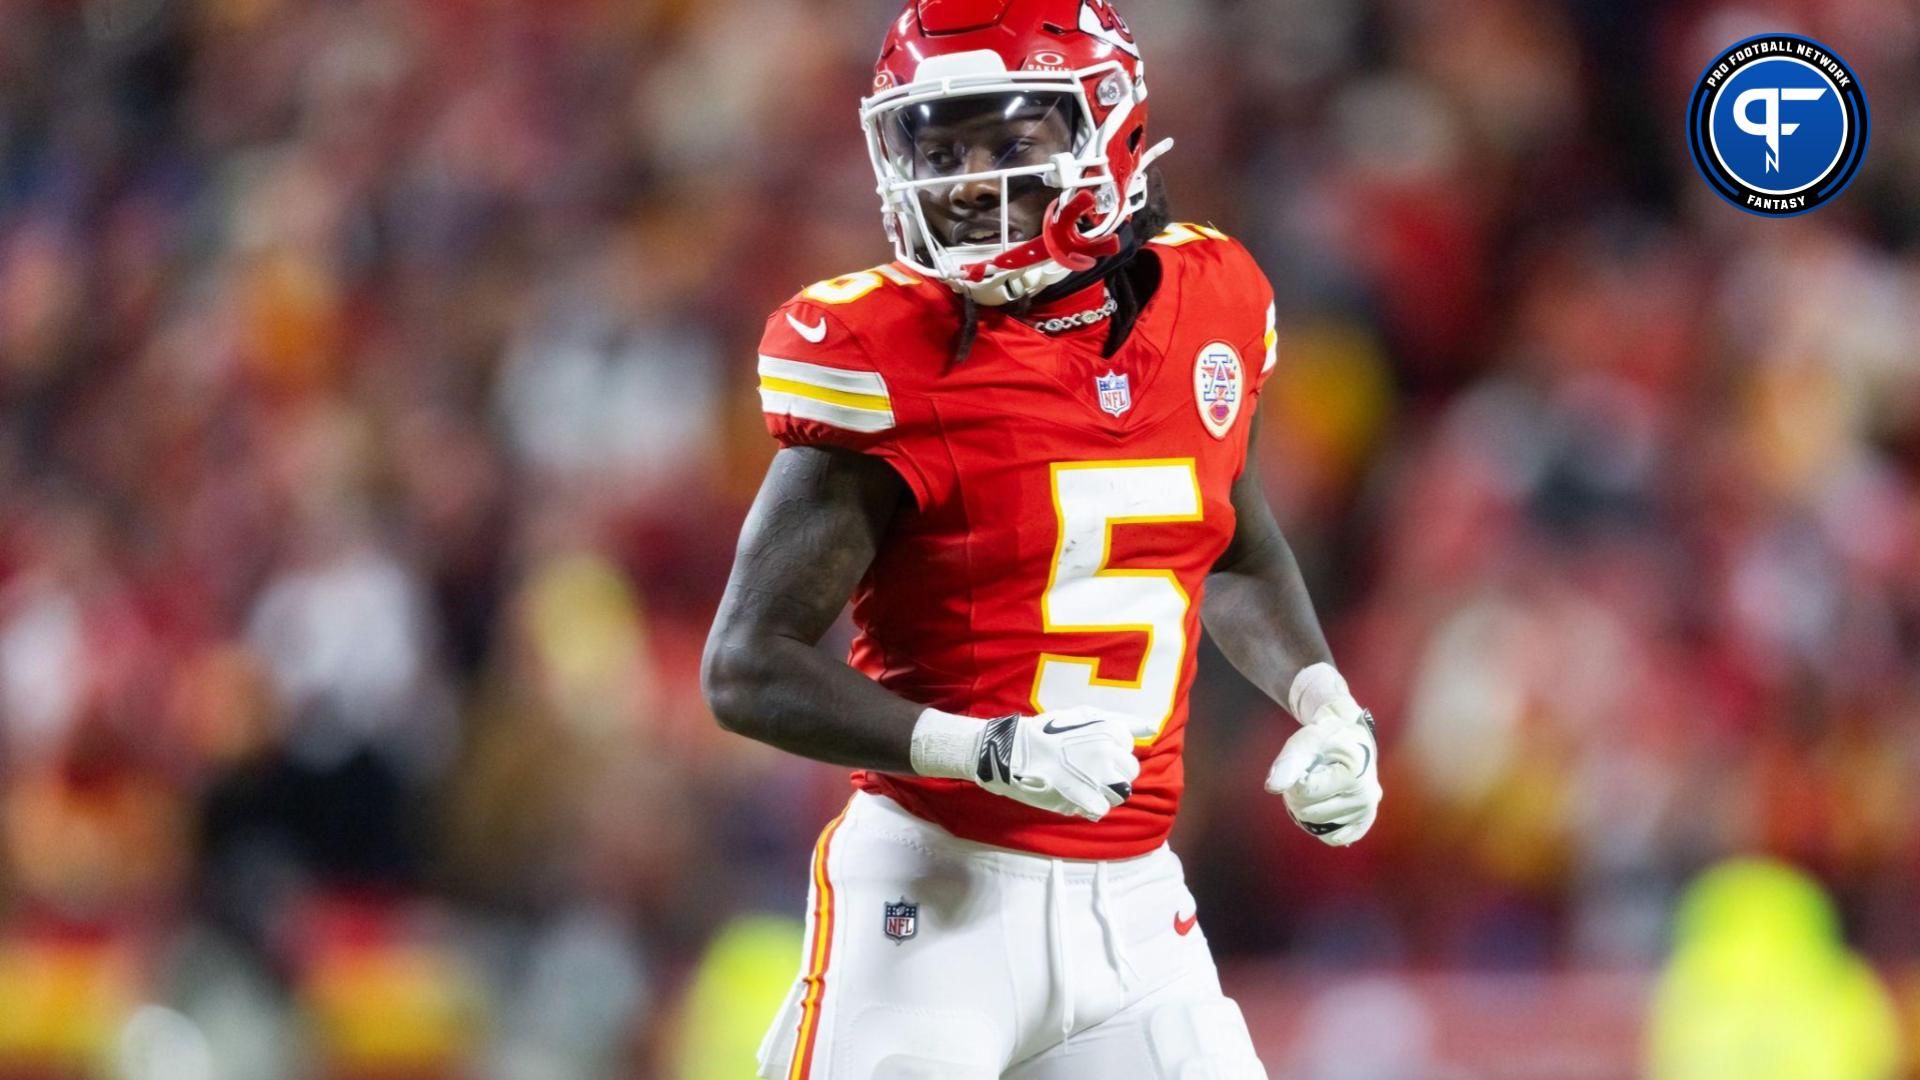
1021	448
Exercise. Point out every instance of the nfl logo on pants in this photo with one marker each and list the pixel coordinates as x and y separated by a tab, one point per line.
903	919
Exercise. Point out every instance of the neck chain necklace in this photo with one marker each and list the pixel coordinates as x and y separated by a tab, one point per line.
1064	323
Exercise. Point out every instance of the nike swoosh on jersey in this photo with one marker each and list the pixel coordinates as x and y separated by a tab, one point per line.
1049	728
815	333
1185	926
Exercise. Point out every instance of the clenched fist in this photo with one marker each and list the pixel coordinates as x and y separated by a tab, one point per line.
1077	762
1329	771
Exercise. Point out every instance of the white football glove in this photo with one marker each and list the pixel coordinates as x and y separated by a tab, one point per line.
1077	762
1329	771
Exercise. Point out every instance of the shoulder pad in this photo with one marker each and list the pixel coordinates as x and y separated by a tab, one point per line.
1205	250
841	351
1182	233
1228	270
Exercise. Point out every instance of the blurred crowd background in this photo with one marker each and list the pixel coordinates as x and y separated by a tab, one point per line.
377	417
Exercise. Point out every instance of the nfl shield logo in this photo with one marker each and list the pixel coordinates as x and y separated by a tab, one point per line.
1115	397
903	919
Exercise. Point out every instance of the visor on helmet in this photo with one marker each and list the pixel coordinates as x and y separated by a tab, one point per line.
953	137
969	176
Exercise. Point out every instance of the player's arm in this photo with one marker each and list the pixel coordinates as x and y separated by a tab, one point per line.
809	538
1258	612
1257	608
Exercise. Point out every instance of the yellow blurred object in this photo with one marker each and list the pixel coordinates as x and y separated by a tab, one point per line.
1760	986
741	983
394	1010
100	846
587	628
1521	837
60	1004
1798	426
1332	395
292	330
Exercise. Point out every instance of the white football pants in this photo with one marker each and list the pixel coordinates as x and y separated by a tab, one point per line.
928	957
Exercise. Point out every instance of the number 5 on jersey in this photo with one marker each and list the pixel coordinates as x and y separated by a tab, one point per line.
1085	596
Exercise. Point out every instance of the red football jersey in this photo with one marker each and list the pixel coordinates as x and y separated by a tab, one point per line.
1068	507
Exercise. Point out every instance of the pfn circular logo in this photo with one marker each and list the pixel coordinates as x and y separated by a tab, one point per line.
1778	124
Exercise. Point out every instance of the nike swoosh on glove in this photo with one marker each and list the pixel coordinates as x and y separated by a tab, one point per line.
1329	773
1077	762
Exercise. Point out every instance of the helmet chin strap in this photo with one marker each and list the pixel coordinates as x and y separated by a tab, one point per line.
1065	243
1060	239
1061	253
1060	250
1128	244
1015	286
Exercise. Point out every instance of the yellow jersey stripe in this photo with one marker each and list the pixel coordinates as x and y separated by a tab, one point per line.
1273	338
873	402
868	383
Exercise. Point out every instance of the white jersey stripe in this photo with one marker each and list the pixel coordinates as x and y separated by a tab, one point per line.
849	417
826	378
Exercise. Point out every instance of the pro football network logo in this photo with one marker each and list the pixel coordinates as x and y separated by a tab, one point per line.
1778	124
1217	378
902	919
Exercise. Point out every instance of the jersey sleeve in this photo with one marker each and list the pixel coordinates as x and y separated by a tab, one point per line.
820	386
1269	341
1262	349
1236	289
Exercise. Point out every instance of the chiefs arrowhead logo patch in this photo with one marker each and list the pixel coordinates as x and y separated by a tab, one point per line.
1218	385
1098	18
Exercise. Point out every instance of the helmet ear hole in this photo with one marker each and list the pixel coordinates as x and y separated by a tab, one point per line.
1134	137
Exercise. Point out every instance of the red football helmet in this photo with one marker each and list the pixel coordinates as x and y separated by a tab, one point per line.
1070	63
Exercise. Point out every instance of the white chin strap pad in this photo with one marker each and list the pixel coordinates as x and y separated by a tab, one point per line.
1014	285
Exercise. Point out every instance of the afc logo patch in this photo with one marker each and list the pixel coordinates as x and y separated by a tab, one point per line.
902	919
1218	380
